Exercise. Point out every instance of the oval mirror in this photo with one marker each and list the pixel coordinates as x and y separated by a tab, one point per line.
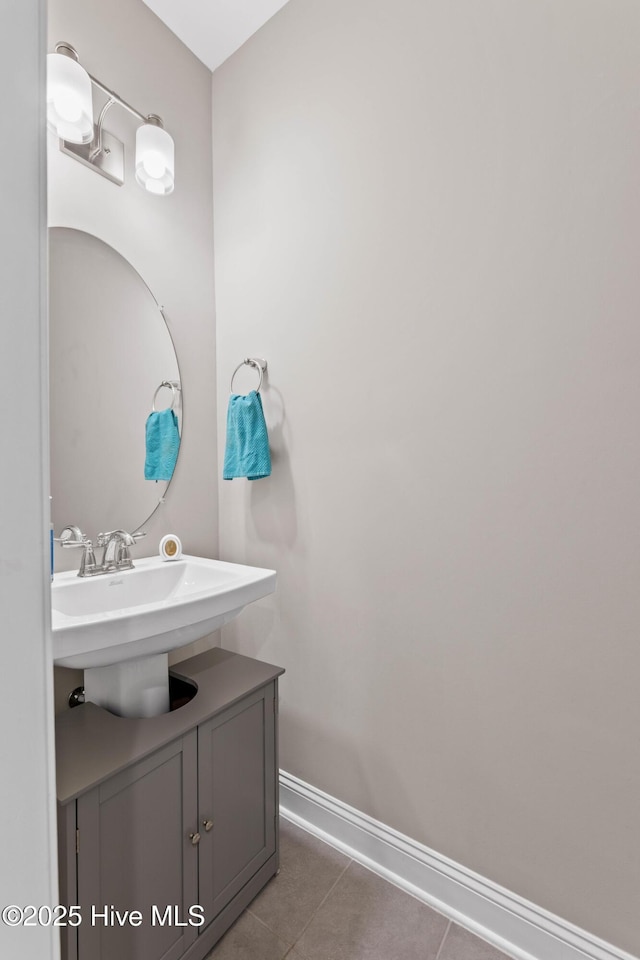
111	360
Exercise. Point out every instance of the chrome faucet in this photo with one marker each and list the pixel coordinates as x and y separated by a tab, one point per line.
116	554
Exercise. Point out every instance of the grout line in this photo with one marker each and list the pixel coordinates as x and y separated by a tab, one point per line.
446	934
292	946
288	945
323	901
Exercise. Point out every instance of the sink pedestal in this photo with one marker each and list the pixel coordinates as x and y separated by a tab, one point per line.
132	688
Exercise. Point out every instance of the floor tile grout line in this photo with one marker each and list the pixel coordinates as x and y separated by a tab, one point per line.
289	945
278	935
322	902
446	934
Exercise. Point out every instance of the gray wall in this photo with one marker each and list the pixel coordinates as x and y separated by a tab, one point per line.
427	219
28	833
169	240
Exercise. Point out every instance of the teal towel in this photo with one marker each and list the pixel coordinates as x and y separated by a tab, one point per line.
163	441
247	450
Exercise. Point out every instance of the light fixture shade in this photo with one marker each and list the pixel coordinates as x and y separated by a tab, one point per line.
155	160
69	100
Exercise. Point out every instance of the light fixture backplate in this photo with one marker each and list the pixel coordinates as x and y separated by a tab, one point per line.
109	163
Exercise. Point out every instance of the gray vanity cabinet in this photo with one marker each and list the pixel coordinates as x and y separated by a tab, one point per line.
134	853
162	827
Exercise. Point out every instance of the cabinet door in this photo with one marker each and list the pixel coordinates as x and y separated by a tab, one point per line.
135	854
237	794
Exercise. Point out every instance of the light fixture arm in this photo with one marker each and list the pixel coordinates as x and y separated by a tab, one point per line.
115	98
97	150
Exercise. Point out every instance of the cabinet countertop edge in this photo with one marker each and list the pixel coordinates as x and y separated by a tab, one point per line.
93	744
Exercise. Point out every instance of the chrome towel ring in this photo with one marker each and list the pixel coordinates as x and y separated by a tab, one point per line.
257	363
174	386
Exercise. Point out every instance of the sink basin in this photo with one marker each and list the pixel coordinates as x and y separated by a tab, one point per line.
120	628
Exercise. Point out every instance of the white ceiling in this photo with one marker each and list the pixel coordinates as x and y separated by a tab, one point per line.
214	29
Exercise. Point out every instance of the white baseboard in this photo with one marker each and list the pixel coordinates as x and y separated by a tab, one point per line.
507	921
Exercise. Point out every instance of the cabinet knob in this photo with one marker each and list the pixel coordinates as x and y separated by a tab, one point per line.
207	824
195	838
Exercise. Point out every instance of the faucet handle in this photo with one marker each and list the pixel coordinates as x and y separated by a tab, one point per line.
74	537
123	557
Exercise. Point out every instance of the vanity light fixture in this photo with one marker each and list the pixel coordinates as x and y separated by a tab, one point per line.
70	116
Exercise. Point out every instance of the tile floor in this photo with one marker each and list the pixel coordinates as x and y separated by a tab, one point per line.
324	906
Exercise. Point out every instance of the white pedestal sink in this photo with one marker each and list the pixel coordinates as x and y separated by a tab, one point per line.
120	628
131	688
